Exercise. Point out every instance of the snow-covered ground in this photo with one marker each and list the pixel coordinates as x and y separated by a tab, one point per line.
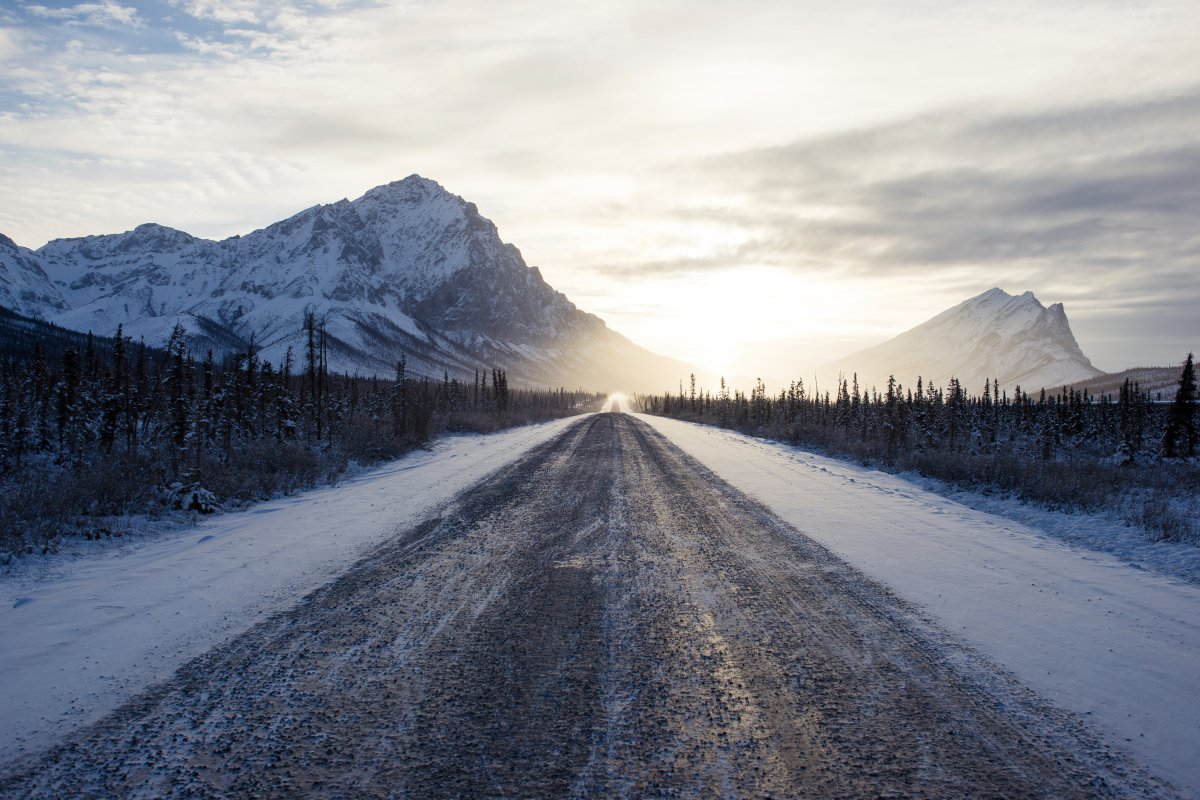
87	634
1118	645
1096	531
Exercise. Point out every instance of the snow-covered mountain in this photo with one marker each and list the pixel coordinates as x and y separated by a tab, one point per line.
24	285
406	268
1013	339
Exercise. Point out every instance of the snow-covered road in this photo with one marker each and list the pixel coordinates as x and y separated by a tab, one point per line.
606	618
1117	645
93	633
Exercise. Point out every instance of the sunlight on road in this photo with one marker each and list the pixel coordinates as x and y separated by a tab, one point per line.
618	402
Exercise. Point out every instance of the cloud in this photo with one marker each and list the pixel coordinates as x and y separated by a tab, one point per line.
1095	206
10	47
229	12
106	13
1112	187
208	47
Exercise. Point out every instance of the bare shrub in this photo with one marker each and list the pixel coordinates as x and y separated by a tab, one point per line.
32	511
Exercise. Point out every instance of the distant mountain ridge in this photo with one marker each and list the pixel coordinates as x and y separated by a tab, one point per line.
408	268
1012	339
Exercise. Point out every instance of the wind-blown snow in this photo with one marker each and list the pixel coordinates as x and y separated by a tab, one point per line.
93	633
1117	645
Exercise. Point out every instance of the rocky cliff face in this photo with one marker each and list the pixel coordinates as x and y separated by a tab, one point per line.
1013	339
408	268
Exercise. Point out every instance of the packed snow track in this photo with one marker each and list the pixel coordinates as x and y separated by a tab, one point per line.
603	618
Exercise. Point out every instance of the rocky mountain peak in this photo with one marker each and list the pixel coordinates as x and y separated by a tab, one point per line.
24	285
993	336
407	268
411	189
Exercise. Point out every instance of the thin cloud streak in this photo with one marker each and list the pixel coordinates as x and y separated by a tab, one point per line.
994	199
103	14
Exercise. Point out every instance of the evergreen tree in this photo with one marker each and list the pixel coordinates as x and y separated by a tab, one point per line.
68	397
400	400
1179	440
892	422
177	394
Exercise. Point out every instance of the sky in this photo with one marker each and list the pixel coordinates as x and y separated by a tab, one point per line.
753	187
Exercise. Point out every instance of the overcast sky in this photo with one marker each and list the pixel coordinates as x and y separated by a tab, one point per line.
751	186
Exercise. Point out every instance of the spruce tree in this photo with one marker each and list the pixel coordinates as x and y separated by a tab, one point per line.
68	393
1128	424
1179	440
399	399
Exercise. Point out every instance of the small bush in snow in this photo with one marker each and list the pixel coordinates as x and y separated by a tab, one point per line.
193	497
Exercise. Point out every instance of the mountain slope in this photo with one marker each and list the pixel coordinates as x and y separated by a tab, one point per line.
408	268
24	285
1013	339
1160	382
21	337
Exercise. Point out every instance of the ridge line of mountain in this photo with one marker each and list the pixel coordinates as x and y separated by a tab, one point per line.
993	337
406	270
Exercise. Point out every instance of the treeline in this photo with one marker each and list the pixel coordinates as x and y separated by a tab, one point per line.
124	428
1121	453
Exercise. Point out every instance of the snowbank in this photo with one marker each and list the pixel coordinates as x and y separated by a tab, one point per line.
86	636
1117	645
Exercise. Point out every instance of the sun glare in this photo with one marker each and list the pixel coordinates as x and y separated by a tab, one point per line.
739	322
616	402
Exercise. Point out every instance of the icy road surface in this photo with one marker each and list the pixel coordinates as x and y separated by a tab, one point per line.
1115	644
603	618
89	635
